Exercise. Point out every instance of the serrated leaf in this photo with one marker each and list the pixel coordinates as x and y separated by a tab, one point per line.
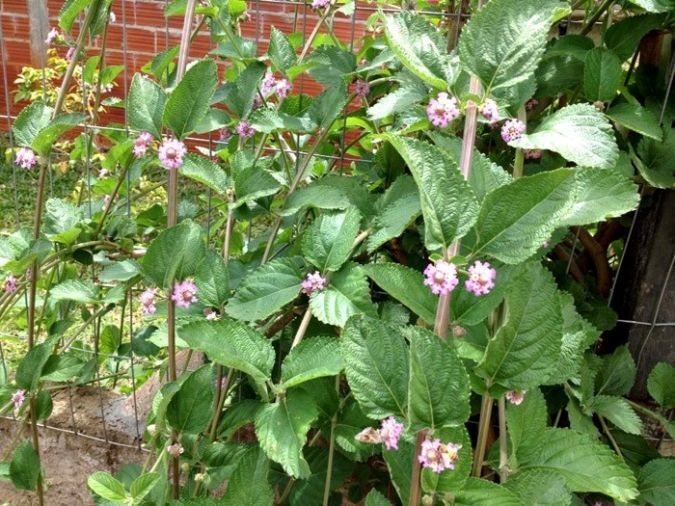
69	12
120	271
30	121
624	36
175	254
537	487
419	47
350	422
74	290
579	132
143	485
267	120
502	44
486	493
106	486
313	358
411	91
527	420
586	464
204	171
617	373
450	481
516	219
281	429
376	365
189	410
617	411
213	280
657	167
330	65
330	192
212	121
347	294
375	498
281	51
448	204
655	5
252	467
189	102
657	482
232	344
438	392
527	346
310	490
602	74
469	309
30	368
399	463
406	286
252	183
47	136
24	468
326	108
660	385
637	119
145	105
398	207
266	290
327	242
599	194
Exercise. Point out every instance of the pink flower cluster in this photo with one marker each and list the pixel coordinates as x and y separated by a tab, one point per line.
438	456
512	130
10	284
224	134
389	433
441	277
313	282
175	450
244	129
490	111
442	110
515	397
184	293
18	397
52	36
272	85
148	301
25	158
361	88
141	144
210	314
481	278
320	4
171	153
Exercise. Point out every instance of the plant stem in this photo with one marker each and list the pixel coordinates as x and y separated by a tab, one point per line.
313	35
415	488
483	427
519	161
503	441
608	433
331	449
300	334
589	24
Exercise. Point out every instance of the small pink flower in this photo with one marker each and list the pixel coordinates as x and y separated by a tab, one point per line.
283	88
481	278
320	4
70	53
442	110
244	129
313	282
224	134
257	103
531	104
52	36
106	200
175	450
513	130
363	61
489	110
141	143
184	293
25	158
210	314
390	432
103	173
361	88
10	284
171	153
450	454
532	154
441	277
430	455
18	397
148	301
515	396
268	84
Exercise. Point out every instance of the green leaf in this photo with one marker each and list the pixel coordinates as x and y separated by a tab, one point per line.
448	204
374	498
486	493
189	411
74	290
579	132
266	120
145	105
310	490
313	358
47	136
24	469
398	207
376	365
527	346
30	368
44	405
213	280
537	487
243	349
281	51
657	482
281	429
120	271
527	420
266	290
411	91
419	47
30	121
189	102
70	11
252	467
175	254
350	422
468	309
244	90
326	108
406	286
657	167
327	242
602	74
143	485
624	37
636	118
347	294
502	44
450	481
618	411
438	392
516	219
600	194
106	486
399	463
617	374
329	65
660	385
586	464
655	5
214	120
321	194
252	183
204	171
